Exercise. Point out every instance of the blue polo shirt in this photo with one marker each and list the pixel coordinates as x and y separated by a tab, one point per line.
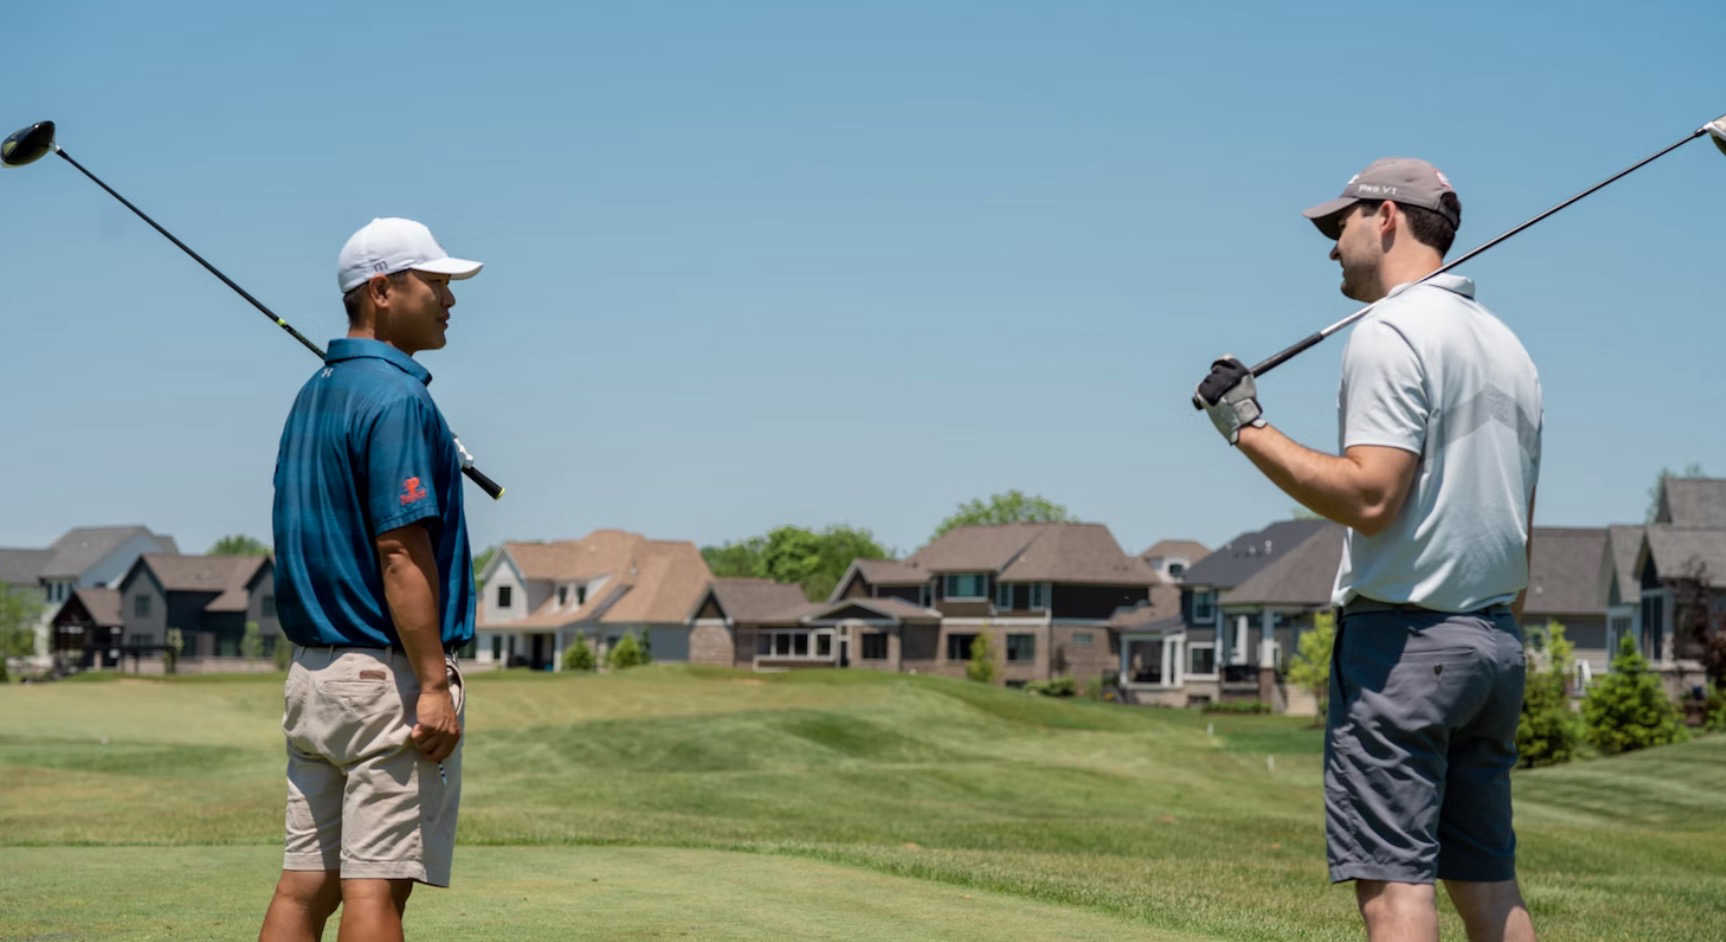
365	451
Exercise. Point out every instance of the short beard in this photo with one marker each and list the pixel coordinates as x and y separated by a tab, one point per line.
1362	283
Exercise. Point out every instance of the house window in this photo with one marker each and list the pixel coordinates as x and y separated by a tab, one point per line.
781	643
268	606
923	595
1039	597
1004	595
1176	569
1081	639
967	585
504	594
764	643
141	606
562	594
1021	647
581	595
497	647
1204	606
875	647
793	643
959	647
1202	658
823	645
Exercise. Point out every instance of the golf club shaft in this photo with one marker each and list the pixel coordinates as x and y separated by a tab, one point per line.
485	483
1312	340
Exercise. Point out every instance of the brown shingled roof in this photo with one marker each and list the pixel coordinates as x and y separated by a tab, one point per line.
888	607
890	572
1304	575
226	576
1190	550
760	601
655	581
103	605
1026	552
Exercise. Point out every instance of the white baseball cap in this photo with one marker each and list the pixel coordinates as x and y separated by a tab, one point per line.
388	245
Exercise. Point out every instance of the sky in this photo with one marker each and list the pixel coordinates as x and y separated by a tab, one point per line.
750	264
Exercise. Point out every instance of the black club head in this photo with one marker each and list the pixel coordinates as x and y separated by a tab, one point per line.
27	145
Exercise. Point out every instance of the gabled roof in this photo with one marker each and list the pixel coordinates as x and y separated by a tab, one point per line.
1692	502
1163	604
83	547
1237	560
224	577
1625	540
1190	550
1564	571
1078	553
1032	552
758	601
103	605
1678	551
1304	574
23	567
889	572
887	608
646	581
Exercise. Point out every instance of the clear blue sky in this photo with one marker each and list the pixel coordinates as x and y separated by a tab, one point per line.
754	263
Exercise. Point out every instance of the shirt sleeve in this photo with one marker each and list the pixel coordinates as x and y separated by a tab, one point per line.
1384	396
401	448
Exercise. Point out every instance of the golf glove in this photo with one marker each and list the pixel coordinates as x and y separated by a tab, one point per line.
1229	396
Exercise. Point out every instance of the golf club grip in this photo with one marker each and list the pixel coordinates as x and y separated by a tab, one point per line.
492	488
1309	341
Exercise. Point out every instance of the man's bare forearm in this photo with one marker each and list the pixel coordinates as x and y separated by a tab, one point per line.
1337	488
410	589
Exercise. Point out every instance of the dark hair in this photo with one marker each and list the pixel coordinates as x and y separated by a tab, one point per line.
351	300
1429	227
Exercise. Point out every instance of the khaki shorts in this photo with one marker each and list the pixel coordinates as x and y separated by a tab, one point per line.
361	799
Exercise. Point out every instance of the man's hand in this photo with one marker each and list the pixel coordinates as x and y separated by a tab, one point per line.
1229	396
437	730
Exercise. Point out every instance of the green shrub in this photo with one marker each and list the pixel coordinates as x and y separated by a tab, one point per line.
1628	708
981	666
283	654
625	653
579	657
1054	687
1310	666
1548	731
252	642
1714	712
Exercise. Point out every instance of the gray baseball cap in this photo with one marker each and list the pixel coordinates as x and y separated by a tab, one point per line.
1406	180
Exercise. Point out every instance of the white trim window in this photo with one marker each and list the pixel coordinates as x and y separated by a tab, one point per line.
504	596
795	644
1021	648
1204	606
1039	597
1004	596
1202	659
966	586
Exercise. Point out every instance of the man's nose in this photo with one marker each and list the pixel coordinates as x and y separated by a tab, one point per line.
1334	256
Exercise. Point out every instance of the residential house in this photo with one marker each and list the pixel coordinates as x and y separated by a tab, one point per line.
538	598
1564	586
758	624
1043	594
1212	645
210	599
87	630
83	557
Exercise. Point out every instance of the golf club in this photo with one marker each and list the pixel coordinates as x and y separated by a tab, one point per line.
29	144
1715	129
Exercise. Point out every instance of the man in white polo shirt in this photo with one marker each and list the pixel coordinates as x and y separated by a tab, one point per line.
1440	427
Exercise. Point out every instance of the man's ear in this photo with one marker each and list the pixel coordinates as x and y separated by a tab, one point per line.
378	290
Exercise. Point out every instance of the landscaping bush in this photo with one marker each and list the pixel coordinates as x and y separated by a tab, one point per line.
1548	731
981	666
252	642
1714	712
1054	687
579	657
626	653
283	654
1628	709
1310	666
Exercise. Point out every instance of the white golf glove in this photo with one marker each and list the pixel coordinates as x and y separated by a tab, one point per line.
1229	396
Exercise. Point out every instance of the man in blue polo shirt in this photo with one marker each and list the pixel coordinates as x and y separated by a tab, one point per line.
374	585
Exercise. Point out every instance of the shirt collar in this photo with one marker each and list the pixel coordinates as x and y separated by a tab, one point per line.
1454	283
354	348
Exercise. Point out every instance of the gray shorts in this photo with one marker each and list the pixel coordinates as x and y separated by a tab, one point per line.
1419	744
361	799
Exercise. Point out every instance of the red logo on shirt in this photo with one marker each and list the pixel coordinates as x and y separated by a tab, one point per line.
412	490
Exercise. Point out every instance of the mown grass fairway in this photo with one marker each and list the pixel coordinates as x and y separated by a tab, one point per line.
671	802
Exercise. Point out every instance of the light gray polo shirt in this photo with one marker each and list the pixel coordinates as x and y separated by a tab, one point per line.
1432	372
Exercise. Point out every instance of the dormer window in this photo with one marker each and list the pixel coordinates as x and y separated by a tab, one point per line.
1176	569
1039	597
562	595
1204	606
1004	596
581	595
504	594
966	586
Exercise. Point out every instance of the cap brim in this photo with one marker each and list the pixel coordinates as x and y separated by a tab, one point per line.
1327	216
456	268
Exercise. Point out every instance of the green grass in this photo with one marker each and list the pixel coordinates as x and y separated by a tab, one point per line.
917	807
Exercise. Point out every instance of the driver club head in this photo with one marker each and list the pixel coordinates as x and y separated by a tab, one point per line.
29	144
1717	130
